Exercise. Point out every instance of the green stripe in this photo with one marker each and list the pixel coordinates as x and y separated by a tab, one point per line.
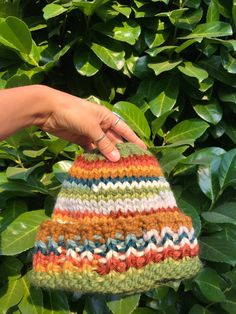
111	194
125	149
132	281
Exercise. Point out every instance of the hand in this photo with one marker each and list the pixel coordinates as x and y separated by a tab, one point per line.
85	123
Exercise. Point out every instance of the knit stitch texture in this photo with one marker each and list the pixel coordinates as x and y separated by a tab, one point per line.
115	228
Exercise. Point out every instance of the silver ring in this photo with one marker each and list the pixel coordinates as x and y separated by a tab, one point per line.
100	138
118	119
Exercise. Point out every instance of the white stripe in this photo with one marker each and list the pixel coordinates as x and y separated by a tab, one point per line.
162	183
133	251
163	200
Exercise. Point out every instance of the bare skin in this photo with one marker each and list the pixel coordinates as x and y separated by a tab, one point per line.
74	119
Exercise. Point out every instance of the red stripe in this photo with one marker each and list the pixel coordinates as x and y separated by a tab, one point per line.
78	214
114	264
145	160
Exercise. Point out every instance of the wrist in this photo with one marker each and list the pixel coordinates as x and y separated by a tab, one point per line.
43	105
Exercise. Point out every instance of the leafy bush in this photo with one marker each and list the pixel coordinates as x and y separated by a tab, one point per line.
168	68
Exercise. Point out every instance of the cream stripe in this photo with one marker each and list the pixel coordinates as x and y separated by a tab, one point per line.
164	200
118	185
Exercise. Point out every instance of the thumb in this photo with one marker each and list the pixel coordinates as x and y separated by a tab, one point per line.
104	144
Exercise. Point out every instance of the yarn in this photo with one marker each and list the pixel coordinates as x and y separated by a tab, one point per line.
115	228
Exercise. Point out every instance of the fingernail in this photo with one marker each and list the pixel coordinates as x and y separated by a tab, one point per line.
114	155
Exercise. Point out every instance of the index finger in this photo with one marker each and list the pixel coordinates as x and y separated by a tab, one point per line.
122	129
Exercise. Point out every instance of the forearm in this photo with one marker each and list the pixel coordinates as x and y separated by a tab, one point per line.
21	107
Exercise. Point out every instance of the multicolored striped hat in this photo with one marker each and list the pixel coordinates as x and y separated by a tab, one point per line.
115	228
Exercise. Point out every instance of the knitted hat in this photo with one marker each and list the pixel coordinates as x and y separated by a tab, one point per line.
115	228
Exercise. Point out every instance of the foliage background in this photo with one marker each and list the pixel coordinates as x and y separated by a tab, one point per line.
168	68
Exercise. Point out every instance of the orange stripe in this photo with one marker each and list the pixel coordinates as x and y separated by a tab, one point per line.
137	171
73	216
107	227
63	262
123	162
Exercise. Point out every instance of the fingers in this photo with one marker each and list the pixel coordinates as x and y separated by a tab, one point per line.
104	143
123	130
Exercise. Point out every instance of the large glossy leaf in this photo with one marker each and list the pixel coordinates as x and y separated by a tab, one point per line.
198	309
61	169
52	10
110	53
214	67
161	64
86	62
187	131
229	305
208	179
20	234
32	301
166	93
13	209
190	69
55	302
134	117
208	283
210	112
14	33
123	305
211	29
89	7
217	249
11	294
227	169
123	31
189	210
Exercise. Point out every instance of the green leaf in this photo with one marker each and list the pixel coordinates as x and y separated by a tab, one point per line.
229	305
10	295
169	160
210	112
217	249
189	210
229	63
61	169
127	31
213	66
193	70
144	310
198	309
34	153
208	179
32	301
88	8
119	305
15	34
110	53
55	302
227	94
166	93
15	173
134	117
52	10
227	169
213	13
18	80
234	12
86	62
13	209
188	20
20	234
162	64
208	283
11	268
211	29
187	131
218	218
